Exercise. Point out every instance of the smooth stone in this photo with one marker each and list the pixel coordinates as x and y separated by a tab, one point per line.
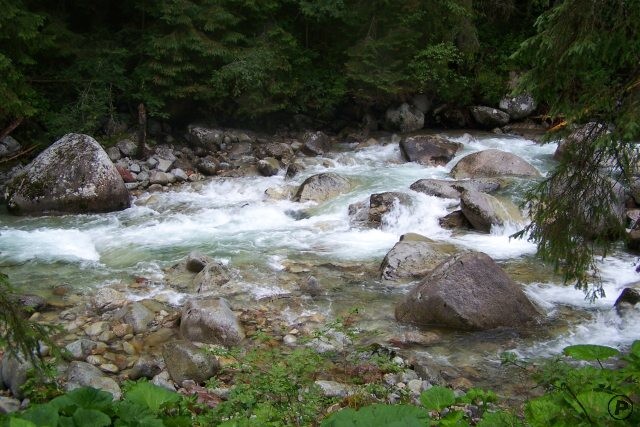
82	374
185	361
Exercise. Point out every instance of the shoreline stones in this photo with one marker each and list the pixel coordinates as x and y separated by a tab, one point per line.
210	320
413	256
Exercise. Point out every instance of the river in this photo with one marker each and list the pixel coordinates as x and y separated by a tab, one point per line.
271	245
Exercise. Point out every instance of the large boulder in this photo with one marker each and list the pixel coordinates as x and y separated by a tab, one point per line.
321	187
405	118
518	107
269	166
489	117
204	137
483	210
13	371
210	321
315	143
185	361
628	298
9	146
74	175
413	256
137	315
448	189
429	150
493	163
467	291
82	374
382	203
585	134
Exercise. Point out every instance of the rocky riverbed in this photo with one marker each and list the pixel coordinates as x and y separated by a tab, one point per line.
238	235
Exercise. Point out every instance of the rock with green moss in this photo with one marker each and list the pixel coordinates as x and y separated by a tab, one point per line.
74	175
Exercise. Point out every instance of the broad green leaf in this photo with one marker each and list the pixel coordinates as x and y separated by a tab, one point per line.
542	411
437	398
499	419
133	414
90	418
635	348
453	419
595	403
18	422
42	415
151	396
84	397
590	352
379	415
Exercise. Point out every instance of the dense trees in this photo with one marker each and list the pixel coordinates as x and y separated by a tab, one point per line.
77	63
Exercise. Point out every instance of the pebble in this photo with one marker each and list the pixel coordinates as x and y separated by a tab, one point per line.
109	368
95	359
415	386
96	329
67	315
122	329
128	348
289	340
398	361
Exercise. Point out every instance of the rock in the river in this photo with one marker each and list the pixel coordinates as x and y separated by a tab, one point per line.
108	299
210	320
277	150
405	118
321	187
455	220
453	189
138	316
382	203
315	143
493	163
268	166
467	291
185	361
629	297
74	175
483	210
518	107
429	150
196	262
489	117
211	277
585	134
413	256
82	374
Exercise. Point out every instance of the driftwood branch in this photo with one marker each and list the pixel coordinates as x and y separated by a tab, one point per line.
12	126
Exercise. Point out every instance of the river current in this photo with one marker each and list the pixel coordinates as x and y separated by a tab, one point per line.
271	244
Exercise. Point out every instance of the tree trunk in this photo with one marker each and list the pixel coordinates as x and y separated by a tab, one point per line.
142	132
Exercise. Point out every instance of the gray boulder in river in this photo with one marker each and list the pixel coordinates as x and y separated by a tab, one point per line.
210	320
483	210
413	256
467	291
493	163
428	150
321	187
74	175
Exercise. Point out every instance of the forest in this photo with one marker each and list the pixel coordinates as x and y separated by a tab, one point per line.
71	65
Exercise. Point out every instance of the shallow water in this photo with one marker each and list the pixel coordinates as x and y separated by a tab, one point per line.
271	249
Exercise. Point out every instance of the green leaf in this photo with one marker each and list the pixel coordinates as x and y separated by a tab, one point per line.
437	398
378	415
590	352
84	397
542	411
151	396
91	418
595	403
17	422
635	348
499	419
42	415
453	419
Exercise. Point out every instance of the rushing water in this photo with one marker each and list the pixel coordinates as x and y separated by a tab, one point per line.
266	241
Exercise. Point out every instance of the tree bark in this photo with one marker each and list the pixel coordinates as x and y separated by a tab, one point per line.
142	132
